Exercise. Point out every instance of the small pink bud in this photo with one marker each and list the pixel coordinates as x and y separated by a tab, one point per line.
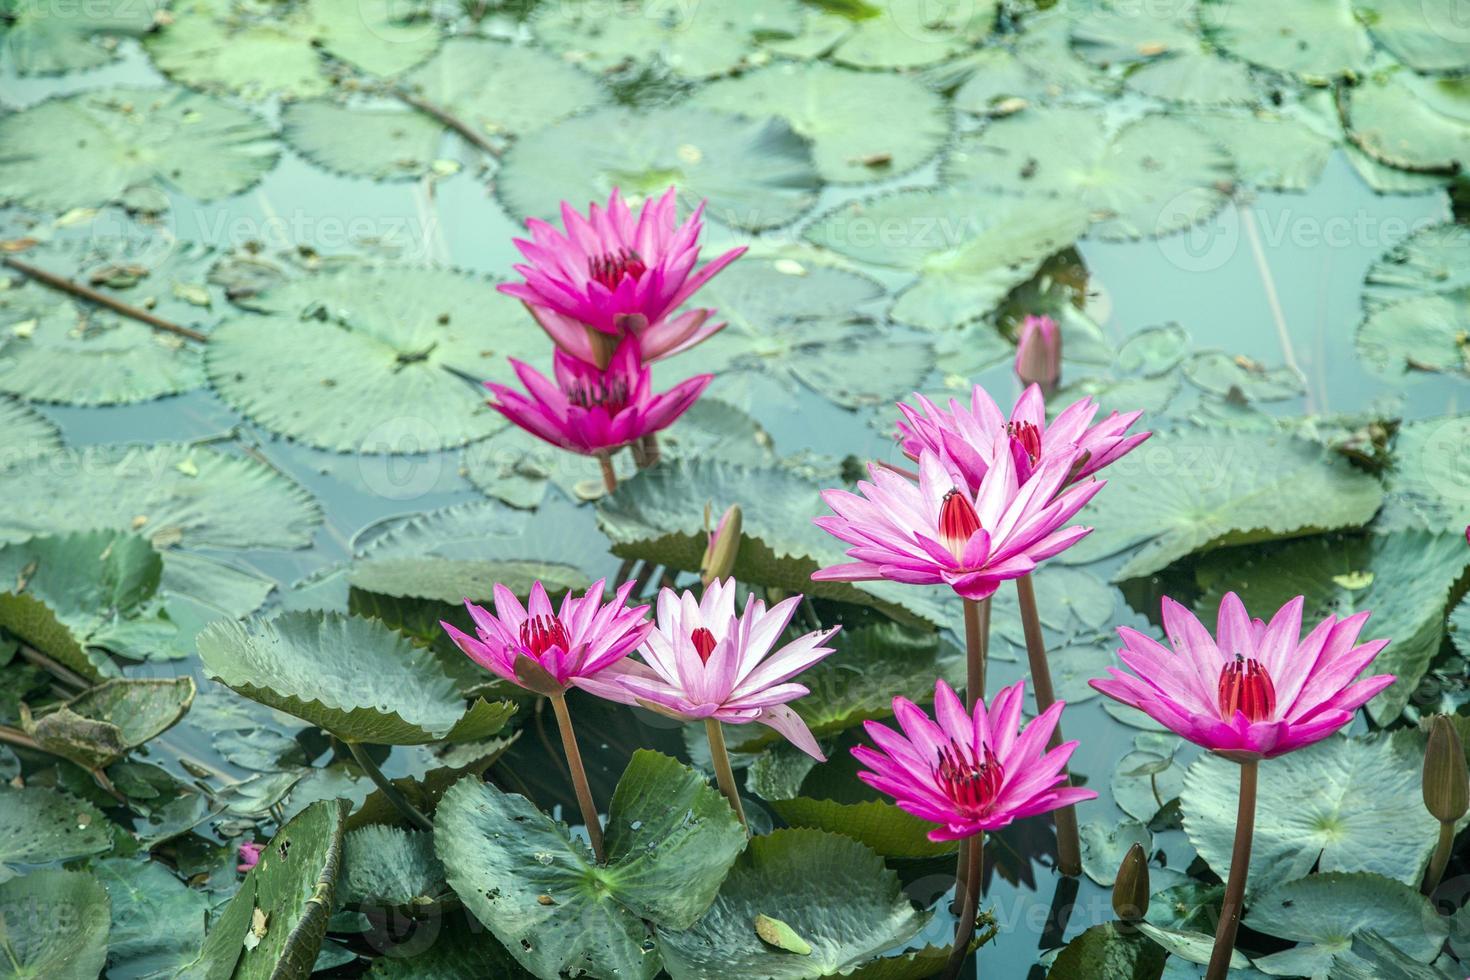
249	855
1039	353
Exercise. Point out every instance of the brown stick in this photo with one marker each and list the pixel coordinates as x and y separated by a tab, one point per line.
447	118
1240	862
62	673
101	299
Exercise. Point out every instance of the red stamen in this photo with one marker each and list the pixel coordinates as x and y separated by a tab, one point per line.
541	633
1028	437
969	783
704	643
610	269
957	522
1245	686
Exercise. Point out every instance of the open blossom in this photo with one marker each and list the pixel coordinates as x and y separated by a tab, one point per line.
591	411
705	661
940	531
1253	690
1039	352
545	649
969	773
618	274
968	435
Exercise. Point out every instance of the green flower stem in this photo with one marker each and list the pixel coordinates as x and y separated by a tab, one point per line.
359	753
724	775
1240	863
1441	858
1069	847
579	774
609	477
973	850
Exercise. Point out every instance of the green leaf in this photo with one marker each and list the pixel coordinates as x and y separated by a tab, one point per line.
170	493
452	581
967	248
1426	36
388	867
694	42
830	890
1432	260
378	143
37	38
25	433
1208	488
41	826
393	364
459	951
1121	181
1429	484
877	824
1343	804
157	920
1104	953
1398	120
1146	779
863	126
1428	333
500	88
102	724
670	839
1272	151
136	138
1219	373
1316	39
57	929
756	173
911	33
1344	575
1322	913
353	677
1104	844
1383	962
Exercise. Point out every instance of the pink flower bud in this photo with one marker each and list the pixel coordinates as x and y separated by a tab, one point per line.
1039	353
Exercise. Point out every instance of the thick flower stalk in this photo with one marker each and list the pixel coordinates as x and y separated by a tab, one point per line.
706	662
593	411
546	650
1252	691
611	274
969	773
1039	353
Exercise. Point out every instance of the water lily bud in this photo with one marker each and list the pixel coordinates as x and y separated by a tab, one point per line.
1039	353
724	544
1446	779
1130	891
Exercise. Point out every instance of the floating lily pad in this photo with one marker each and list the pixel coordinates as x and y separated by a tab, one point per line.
393	365
1429	485
170	493
1426	35
1272	151
57	929
389	867
1220	373
1431	333
967	248
380	143
694	41
157	920
1196	76
1105	844
353	677
41	826
756	173
1127	186
1149	777
1433	260
912	33
829	889
1033	67
25	433
1339	805
1105	953
100	725
863	126
137	139
37	38
1209	488
1392	121
1316	39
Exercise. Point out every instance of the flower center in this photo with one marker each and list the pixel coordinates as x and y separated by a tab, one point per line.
1026	436
610	269
541	633
971	784
704	643
591	392
957	522
1245	686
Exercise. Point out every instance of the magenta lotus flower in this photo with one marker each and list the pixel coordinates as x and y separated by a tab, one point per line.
590	411
1039	352
249	855
969	773
547	650
967	435
617	274
939	531
1252	691
704	661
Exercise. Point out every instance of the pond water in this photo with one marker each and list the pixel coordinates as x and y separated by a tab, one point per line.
1275	277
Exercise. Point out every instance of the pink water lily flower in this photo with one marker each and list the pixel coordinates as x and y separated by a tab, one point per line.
967	435
590	411
545	649
705	661
1039	352
618	274
1253	690
969	773
249	855
939	531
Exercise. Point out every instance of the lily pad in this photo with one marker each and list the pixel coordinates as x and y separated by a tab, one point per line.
1343	804
830	890
1426	35
1316	39
1431	333
1220	373
1128	188
1435	259
1105	953
1272	151
378	143
389	867
40	38
756	173
57	929
863	126
1209	488
157	920
137	139
1429	485
42	826
912	33
1147	779
1105	844
393	365
103	723
25	433
1392	121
